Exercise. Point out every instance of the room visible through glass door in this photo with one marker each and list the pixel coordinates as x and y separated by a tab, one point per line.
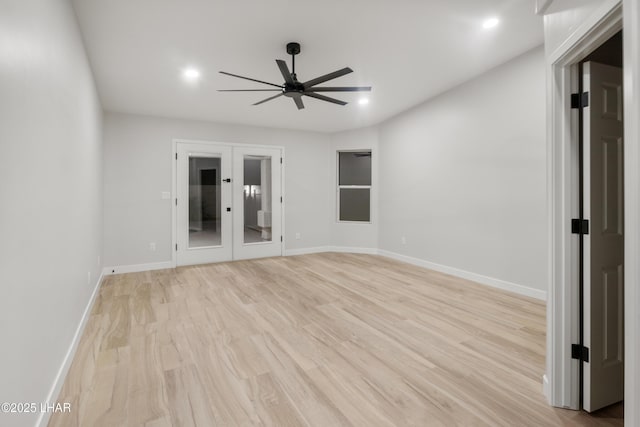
205	213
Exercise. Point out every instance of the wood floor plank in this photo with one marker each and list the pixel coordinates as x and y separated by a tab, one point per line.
314	340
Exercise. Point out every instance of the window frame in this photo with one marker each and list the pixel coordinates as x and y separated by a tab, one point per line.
353	187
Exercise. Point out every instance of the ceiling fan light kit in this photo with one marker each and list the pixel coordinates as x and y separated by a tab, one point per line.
294	89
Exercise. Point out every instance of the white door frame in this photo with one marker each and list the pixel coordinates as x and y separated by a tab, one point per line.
174	176
561	382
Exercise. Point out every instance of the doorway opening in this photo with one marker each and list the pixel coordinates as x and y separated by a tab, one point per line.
600	228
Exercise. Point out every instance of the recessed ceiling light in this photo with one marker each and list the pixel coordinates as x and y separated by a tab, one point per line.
490	23
191	74
363	101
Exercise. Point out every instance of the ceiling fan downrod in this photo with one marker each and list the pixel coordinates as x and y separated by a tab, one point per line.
293	49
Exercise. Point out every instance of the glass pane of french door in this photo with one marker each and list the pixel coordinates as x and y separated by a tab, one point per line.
257	199
205	192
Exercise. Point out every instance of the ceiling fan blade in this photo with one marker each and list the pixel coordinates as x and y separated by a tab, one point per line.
249	90
341	89
285	71
268	99
325	98
327	77
299	103
248	78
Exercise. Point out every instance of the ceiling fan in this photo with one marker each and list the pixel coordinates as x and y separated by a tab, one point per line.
295	89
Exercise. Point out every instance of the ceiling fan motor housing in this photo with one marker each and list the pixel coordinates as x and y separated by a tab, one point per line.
293	48
293	90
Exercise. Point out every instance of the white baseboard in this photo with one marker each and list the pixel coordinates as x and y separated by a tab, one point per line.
353	250
58	382
305	251
479	278
138	268
545	388
320	249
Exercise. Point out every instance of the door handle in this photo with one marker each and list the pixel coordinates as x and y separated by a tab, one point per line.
228	209
226	180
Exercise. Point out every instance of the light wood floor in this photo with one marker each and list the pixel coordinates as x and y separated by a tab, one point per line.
317	340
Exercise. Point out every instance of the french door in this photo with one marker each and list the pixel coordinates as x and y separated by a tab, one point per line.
228	202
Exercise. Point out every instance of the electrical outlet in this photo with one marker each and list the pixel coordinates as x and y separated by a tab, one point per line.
152	246
298	236
403	240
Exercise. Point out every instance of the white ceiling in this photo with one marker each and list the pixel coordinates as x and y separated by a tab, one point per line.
408	50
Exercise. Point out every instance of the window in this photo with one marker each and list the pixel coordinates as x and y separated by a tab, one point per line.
354	186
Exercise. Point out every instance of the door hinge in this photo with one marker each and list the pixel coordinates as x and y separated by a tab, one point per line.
176	201
281	239
579	352
580	100
176	246
280	160
579	226
176	156
280	199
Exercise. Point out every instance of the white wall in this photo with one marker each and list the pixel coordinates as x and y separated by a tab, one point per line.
51	196
137	164
362	236
463	176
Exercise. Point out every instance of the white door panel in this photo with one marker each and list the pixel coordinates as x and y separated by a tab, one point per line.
604	245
